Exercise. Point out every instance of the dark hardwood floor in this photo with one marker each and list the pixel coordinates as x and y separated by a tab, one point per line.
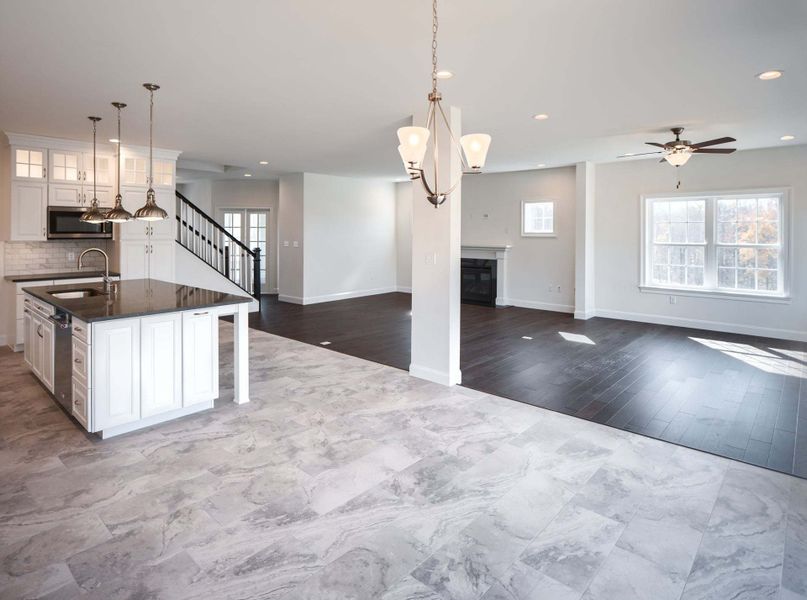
736	396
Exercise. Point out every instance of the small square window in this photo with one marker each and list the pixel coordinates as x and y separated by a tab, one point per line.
537	219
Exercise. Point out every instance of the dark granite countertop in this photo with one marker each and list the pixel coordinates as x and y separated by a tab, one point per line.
63	275
134	298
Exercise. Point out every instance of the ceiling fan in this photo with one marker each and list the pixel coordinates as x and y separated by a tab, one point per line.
677	152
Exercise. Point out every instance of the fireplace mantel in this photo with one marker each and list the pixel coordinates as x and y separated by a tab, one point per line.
499	254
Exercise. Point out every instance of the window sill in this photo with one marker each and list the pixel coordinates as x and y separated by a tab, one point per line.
721	295
539	235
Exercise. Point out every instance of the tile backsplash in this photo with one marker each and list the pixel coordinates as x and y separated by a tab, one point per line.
52	257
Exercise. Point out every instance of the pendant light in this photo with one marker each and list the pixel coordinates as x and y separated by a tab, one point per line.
94	215
472	148
118	214
150	211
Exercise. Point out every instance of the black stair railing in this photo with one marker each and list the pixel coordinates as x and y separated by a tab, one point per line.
209	241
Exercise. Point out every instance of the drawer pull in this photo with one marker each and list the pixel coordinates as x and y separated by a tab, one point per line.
78	361
77	329
199	314
27	301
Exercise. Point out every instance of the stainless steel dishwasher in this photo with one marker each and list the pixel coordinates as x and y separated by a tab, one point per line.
63	360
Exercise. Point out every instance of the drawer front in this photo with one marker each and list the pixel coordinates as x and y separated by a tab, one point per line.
80	404
20	305
81	363
81	330
42	307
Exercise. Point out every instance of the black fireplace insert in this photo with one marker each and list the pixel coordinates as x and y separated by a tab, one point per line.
478	285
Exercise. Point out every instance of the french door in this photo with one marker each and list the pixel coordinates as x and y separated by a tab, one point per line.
250	226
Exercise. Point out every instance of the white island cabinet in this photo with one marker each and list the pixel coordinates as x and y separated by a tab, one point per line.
146	355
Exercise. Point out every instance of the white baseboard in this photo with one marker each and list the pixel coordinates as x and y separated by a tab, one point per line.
584	315
441	377
291	299
404	289
3	340
564	308
347	295
769	332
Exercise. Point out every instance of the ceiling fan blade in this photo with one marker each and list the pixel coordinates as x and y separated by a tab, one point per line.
655	144
723	140
714	150
639	154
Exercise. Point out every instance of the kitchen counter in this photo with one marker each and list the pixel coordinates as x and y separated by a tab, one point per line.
54	276
143	354
133	298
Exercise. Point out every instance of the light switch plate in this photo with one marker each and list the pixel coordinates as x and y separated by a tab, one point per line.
296	244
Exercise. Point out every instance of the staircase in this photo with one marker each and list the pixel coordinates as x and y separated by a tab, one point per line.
198	233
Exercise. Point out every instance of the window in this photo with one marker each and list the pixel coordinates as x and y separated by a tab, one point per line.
729	243
537	219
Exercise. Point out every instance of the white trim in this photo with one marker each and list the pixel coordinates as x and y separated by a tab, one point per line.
290	299
478	248
769	332
155	419
584	315
435	376
25	139
403	289
721	295
564	308
347	295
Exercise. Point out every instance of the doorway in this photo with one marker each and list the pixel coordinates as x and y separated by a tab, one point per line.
250	226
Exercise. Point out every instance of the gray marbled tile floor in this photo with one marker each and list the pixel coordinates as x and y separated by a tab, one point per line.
346	479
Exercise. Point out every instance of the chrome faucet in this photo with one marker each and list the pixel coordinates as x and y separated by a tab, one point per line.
107	282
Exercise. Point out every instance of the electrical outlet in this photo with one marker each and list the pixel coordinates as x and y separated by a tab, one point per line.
550	288
558	289
673	300
296	244
285	243
71	256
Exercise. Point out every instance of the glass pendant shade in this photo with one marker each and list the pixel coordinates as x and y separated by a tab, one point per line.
414	141
150	212
678	157
475	146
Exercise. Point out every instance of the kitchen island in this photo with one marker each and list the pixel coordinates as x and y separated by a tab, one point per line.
144	353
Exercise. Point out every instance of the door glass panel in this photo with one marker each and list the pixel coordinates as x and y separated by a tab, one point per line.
28	163
257	237
232	224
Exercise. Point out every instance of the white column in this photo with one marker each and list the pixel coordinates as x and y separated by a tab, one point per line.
436	266
241	354
584	242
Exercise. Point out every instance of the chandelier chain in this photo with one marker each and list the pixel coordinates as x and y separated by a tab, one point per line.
434	46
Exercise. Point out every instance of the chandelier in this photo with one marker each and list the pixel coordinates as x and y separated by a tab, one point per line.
414	141
150	211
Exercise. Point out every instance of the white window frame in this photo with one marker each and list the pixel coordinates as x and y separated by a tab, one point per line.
710	267
525	233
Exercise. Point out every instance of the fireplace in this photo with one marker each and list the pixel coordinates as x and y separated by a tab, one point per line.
478	284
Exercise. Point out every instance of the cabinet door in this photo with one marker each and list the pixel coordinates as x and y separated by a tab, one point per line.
133	259
37	350
80	404
65	167
48	330
200	357
29	163
64	194
134	171
106	169
29	333
28	209
115	373
132	199
166	228
106	196
160	364
161	260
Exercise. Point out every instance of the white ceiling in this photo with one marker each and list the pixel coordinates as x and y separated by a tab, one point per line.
321	86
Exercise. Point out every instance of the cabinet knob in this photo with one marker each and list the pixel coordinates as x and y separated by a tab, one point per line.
78	361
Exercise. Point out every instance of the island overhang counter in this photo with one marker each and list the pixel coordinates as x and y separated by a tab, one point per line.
143	354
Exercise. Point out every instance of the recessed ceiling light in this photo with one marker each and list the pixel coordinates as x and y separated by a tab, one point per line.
264	162
247	174
443	74
787	138
628	154
114	140
540	165
769	75
540	117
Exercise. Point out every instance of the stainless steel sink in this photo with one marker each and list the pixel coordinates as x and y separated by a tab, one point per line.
82	293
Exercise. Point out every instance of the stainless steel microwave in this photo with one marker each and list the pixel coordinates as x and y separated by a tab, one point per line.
64	223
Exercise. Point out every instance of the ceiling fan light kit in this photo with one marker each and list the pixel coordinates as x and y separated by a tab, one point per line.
414	141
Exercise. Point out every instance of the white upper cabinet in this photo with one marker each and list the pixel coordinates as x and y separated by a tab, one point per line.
106	169
66	167
135	171
29	205
29	163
